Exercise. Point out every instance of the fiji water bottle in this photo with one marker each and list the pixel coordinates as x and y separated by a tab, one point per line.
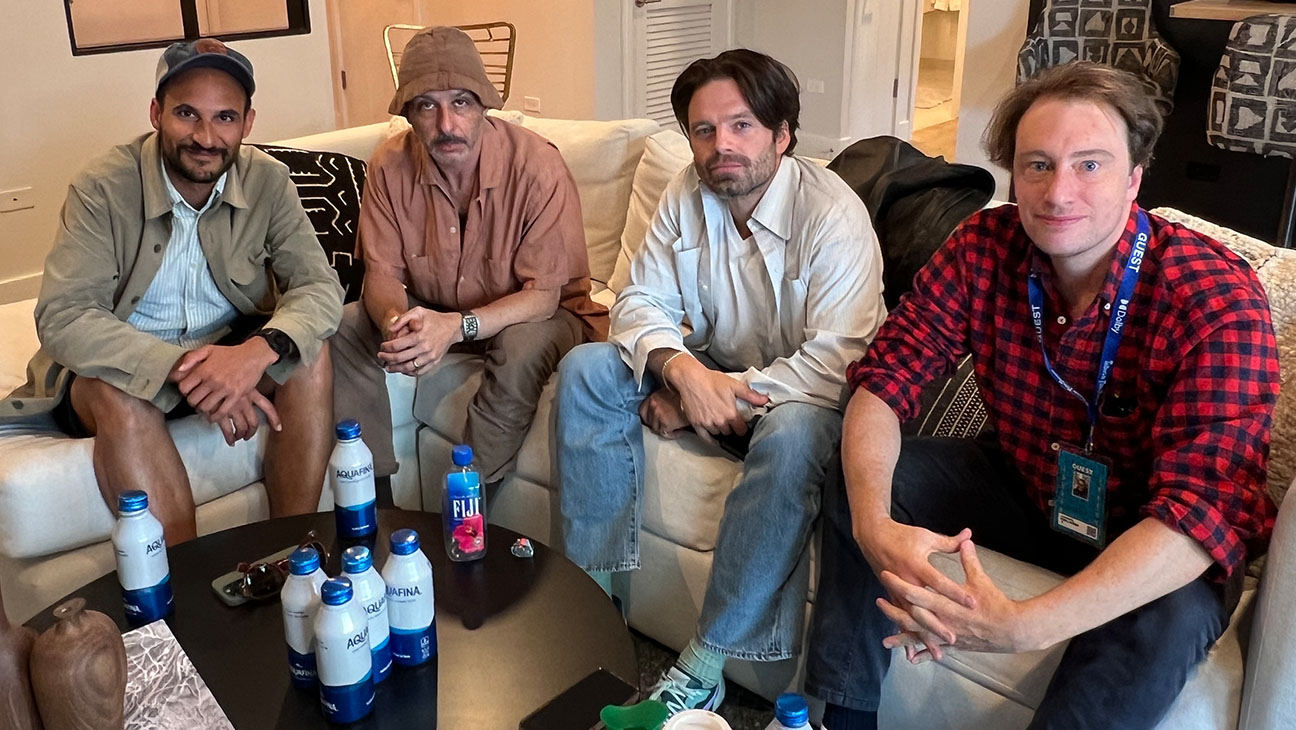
141	560
371	595
351	474
790	713
463	508
300	597
411	615
342	647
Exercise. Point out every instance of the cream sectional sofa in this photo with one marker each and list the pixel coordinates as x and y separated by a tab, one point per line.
53	524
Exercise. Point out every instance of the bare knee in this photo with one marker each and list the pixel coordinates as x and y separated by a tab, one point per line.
102	406
318	375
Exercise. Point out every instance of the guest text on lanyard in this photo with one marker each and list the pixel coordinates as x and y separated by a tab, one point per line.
1119	315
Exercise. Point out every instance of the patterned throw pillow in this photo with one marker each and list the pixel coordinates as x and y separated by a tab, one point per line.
950	407
329	185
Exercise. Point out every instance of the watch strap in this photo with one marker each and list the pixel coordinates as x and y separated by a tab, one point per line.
279	342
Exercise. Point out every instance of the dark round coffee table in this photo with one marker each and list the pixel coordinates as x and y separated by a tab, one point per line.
512	633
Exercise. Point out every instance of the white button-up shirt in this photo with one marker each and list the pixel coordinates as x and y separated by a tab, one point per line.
785	310
183	305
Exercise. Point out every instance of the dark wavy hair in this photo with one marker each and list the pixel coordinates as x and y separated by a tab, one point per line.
769	87
1079	80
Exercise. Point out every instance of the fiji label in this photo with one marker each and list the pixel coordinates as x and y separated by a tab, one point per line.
463	510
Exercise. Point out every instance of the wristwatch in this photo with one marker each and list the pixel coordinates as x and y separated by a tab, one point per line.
469	326
281	343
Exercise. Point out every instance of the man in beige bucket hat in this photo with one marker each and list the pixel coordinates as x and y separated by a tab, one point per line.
472	238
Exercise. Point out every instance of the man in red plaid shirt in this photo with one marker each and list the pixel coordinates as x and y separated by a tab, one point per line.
1129	370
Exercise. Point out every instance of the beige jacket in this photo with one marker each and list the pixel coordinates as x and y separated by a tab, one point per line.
113	230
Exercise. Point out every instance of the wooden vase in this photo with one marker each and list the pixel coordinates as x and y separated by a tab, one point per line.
78	671
17	705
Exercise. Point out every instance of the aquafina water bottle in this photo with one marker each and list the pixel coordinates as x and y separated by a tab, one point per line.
791	712
142	566
351	474
371	594
411	613
342	651
300	598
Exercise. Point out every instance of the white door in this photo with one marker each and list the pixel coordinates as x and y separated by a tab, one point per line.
665	36
362	79
883	67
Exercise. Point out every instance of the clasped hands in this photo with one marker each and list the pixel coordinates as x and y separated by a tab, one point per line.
700	397
416	340
932	611
221	382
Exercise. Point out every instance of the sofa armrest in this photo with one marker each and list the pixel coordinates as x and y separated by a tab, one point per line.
1267	699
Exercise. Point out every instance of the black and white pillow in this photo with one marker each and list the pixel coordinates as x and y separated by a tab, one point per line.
950	407
329	185
1253	93
1117	33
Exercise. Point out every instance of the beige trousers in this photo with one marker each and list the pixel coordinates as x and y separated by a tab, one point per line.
517	361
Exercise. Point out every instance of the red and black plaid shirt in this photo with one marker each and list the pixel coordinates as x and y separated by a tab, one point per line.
1196	374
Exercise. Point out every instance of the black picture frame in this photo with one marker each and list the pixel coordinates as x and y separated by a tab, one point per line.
298	24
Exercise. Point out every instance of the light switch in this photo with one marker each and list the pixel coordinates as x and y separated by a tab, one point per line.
16	199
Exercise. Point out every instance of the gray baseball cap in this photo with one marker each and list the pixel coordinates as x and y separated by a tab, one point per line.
204	53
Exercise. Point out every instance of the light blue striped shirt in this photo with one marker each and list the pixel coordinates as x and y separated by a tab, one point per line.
183	305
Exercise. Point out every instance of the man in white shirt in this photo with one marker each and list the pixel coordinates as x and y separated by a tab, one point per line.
770	265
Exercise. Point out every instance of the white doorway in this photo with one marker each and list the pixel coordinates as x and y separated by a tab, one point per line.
942	41
663	37
362	79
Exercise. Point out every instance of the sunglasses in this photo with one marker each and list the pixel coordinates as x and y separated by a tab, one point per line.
263	580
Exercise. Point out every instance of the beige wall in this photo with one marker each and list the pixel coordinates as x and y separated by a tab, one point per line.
810	36
57	111
555	49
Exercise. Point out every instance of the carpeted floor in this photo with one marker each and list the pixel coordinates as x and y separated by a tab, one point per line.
743	709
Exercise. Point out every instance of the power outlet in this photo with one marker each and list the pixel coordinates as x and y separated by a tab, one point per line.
16	199
814	86
531	104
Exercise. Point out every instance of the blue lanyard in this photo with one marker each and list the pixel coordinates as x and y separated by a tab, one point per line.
1115	327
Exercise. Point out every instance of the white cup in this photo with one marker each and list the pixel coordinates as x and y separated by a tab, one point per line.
697	720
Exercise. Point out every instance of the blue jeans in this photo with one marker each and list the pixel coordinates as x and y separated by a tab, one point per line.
1124	674
756	594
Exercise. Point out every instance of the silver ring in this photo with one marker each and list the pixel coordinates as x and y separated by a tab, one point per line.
416	363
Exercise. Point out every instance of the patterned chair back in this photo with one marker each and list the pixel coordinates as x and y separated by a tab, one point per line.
1115	33
1253	94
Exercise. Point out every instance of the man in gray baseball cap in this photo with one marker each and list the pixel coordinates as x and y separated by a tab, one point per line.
205	53
186	278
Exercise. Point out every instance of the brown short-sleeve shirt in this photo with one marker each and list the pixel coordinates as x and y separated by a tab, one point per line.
523	229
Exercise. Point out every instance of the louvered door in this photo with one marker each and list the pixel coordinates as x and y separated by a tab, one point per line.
667	36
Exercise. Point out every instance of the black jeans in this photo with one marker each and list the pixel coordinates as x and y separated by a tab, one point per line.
1124	674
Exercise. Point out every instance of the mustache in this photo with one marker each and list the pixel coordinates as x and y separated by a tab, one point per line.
195	147
719	159
445	138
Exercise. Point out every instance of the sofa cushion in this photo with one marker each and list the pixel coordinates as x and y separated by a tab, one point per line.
50	501
602	157
1209	700
686	480
1276	269
18	324
665	154
329	185
358	142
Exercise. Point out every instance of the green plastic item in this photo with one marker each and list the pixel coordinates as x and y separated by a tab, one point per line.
646	715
